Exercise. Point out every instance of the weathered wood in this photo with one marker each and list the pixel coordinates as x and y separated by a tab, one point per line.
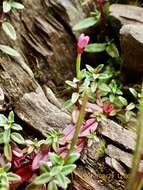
47	45
118	134
124	157
84	179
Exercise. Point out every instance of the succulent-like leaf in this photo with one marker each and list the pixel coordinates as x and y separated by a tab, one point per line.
6	136
56	170
9	30
7	167
17	5
72	157
86	23
10	51
16	137
13	177
42	179
8	151
6	6
68	169
95	48
11	117
16	127
74	97
52	186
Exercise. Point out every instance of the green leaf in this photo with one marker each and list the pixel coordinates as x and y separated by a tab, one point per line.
4	185
74	97
131	106
10	51
6	136
112	98
91	95
7	167
16	127
86	23
104	76
71	83
128	115
42	179
96	47
44	168
94	86
104	87
119	92
55	170
6	6
1	138
134	92
90	69
84	86
52	186
68	104
8	151
30	149
11	117
99	68
3	120
13	177
62	181
112	50
17	5
68	169
16	137
123	100
55	158
9	30
72	157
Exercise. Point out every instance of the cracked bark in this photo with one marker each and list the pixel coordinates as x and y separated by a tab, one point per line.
47	44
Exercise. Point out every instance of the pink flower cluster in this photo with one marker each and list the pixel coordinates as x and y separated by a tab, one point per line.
82	43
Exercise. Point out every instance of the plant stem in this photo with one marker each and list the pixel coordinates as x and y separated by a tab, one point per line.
78	63
138	150
79	122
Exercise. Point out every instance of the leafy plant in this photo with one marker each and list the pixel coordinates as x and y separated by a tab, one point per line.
8	135
7	177
53	137
56	175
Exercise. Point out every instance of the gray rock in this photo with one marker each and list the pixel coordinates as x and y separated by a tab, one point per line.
124	14
127	24
131	39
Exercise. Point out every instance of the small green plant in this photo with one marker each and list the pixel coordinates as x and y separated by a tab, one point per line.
56	175
8	135
53	137
7	177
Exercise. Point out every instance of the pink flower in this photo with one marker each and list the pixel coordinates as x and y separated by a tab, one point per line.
108	107
82	43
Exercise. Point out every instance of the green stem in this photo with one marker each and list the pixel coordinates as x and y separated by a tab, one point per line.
78	63
79	123
140	185
138	150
